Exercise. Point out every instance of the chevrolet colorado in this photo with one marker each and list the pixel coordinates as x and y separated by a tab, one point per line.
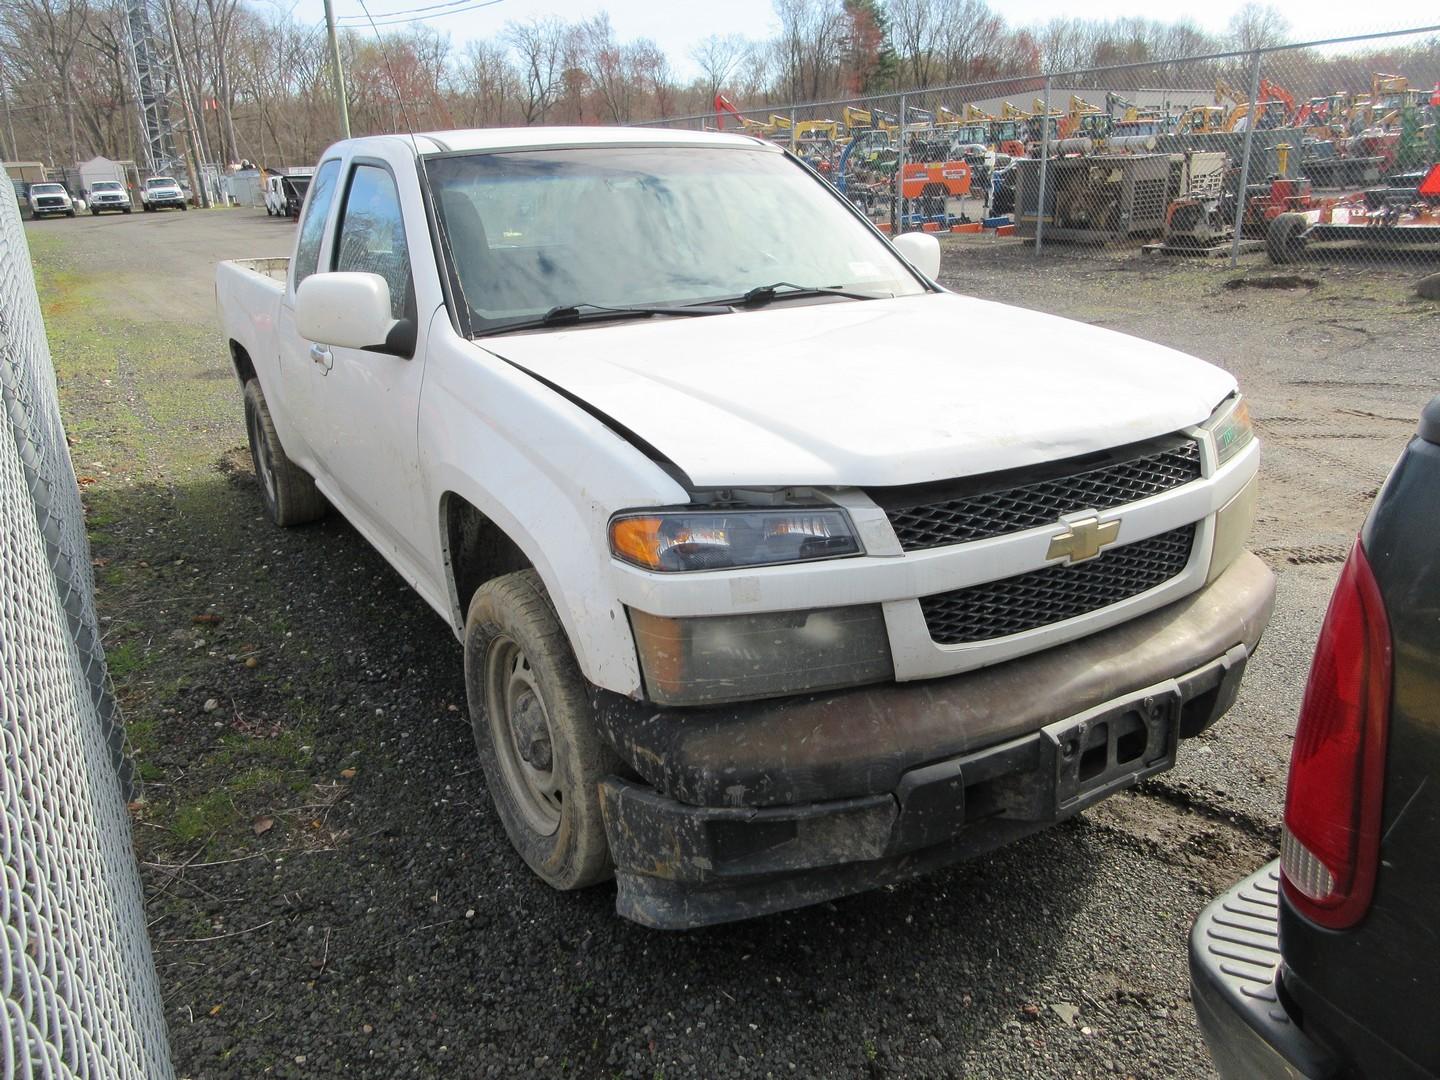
780	571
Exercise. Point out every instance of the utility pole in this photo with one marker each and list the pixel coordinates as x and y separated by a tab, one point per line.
337	71
194	149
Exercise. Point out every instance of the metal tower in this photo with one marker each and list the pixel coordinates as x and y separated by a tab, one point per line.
153	79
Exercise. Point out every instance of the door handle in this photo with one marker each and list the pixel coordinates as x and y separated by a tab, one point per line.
320	354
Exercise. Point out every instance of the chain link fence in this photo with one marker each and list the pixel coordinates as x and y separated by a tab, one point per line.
1326	150
80	991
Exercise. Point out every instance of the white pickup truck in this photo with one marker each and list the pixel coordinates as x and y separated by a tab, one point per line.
158	192
780	571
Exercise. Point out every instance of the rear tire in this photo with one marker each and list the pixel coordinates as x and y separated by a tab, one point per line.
1283	240
535	730
288	492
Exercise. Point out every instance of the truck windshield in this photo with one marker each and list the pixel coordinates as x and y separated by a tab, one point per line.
626	227
105	185
46	189
160	181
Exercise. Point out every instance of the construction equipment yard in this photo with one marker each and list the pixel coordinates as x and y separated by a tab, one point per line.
328	889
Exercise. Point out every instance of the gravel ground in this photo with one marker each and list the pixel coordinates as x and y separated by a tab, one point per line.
330	892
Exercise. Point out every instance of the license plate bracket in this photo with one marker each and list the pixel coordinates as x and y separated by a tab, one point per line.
1113	746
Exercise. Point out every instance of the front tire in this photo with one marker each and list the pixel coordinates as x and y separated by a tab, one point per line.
69	213
288	492
535	730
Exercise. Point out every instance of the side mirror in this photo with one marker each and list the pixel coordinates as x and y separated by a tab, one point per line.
921	250
347	309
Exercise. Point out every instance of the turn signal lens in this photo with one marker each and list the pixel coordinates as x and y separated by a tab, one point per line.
1231	427
723	540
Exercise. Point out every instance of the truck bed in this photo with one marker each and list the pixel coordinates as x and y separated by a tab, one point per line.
276	269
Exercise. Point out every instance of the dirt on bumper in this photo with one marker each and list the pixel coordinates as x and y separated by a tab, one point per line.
771	805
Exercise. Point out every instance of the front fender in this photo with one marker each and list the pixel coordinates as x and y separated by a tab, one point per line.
547	474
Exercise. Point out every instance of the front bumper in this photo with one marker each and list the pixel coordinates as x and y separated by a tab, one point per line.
1234	976
754	808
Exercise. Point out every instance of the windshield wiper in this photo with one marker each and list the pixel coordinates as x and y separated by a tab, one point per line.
786	290
574	314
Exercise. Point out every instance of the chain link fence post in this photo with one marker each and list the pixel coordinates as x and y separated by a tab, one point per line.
898	220
1252	121
1044	169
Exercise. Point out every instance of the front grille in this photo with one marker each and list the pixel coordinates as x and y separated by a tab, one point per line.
1000	608
1003	506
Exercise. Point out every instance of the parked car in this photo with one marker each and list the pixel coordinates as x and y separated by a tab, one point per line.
769	591
1325	962
285	195
160	192
108	195
47	200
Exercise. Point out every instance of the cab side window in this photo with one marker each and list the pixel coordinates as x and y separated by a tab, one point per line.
312	223
372	234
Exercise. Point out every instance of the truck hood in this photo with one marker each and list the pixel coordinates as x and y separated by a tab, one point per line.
872	393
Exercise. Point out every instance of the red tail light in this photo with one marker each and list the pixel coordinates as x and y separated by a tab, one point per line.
1331	841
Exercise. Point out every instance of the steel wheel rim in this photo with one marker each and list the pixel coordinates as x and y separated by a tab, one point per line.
518	720
263	465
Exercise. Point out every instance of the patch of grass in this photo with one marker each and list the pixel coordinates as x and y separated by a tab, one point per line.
258	778
289	749
143	737
212	813
126	659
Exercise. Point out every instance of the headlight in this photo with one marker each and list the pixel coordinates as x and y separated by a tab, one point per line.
1230	426
722	540
704	661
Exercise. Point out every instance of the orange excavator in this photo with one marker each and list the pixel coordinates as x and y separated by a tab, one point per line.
724	105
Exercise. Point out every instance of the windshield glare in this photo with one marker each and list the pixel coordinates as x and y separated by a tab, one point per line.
47	189
620	227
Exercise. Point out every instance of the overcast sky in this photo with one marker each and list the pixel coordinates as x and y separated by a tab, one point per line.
676	26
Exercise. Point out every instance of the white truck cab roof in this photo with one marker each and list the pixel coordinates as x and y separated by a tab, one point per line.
544	138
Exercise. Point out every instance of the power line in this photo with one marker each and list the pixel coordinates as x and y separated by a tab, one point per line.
404	11
457	7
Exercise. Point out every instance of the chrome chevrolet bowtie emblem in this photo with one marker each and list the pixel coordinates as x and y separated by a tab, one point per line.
1082	540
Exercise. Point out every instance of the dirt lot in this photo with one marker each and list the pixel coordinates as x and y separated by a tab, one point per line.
330	892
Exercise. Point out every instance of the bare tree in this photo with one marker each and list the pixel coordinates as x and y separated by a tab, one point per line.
719	57
1257	26
539	45
488	81
41	38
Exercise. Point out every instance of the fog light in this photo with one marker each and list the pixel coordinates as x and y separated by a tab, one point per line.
707	660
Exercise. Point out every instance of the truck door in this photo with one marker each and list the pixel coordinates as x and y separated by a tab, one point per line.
291	403
367	403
